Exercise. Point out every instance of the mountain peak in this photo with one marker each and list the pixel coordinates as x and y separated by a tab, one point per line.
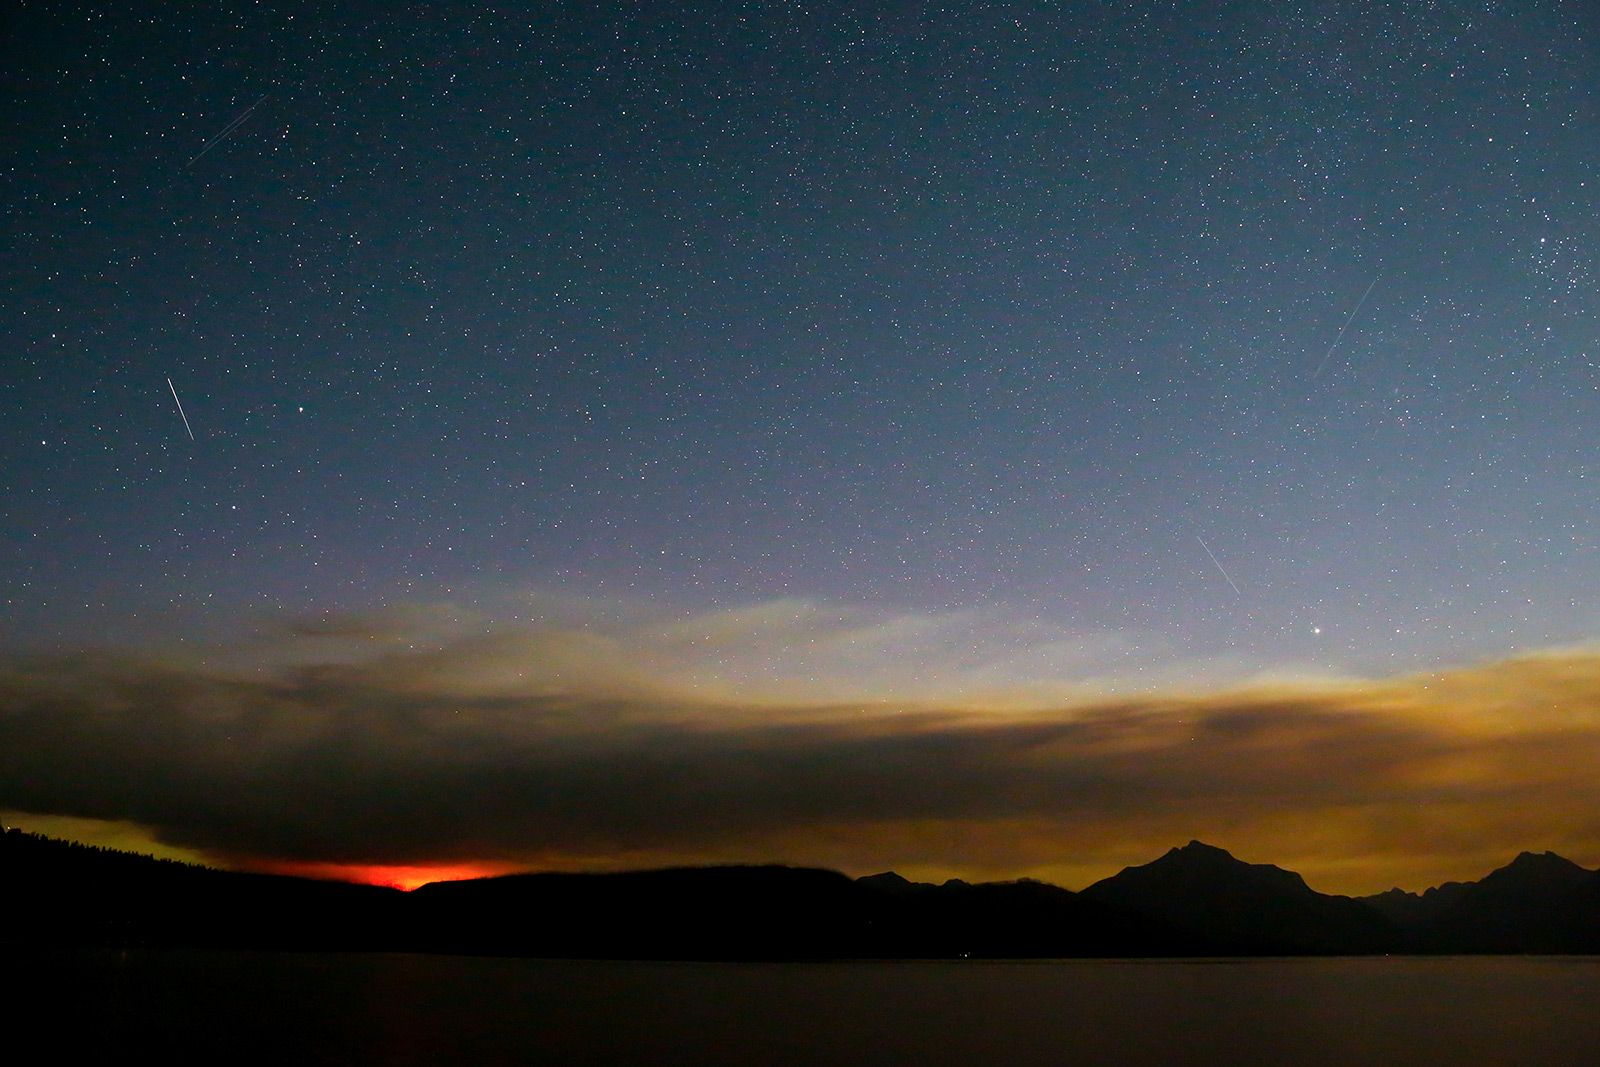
1208	891
1197	869
1537	871
889	882
1535	903
1199	858
1543	861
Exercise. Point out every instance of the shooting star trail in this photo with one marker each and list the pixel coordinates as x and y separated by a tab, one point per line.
181	415
1197	537
229	128
1348	319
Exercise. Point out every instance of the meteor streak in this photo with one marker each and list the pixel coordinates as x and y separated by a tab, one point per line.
229	128
1342	329
181	415
1214	560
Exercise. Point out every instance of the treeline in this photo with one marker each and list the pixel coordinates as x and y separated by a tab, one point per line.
56	892
1194	901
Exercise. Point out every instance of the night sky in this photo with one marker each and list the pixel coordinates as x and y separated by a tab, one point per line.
793	371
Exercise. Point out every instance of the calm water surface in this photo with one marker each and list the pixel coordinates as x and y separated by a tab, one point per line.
398	1009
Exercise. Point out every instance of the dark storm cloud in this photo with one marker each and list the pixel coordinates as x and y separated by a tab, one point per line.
367	764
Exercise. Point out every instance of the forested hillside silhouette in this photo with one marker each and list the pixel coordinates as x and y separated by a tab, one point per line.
1194	901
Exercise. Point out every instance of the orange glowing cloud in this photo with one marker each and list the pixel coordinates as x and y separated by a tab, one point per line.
544	749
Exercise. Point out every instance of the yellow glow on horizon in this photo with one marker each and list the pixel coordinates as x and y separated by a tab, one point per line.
617	752
114	834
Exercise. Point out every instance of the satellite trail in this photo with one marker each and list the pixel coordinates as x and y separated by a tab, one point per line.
1342	329
181	415
229	128
1197	537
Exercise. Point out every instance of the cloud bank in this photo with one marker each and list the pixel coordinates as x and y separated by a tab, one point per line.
579	747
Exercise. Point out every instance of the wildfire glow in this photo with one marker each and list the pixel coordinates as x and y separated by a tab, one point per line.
399	877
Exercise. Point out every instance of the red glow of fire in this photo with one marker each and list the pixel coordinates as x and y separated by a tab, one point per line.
400	877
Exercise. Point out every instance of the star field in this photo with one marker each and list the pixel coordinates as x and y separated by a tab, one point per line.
960	308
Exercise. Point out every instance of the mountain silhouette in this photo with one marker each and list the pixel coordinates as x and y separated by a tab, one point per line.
776	912
1536	903
61	893
1409	910
1246	907
1197	900
735	912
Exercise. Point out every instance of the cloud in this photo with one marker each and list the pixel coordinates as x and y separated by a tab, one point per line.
584	747
783	651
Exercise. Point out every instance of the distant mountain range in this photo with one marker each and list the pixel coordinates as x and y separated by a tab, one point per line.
1197	900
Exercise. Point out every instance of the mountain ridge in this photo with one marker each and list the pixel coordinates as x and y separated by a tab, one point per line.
1196	900
1256	907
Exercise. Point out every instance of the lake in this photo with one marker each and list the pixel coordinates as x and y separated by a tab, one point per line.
408	1009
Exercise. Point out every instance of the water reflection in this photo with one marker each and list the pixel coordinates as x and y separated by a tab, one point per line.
399	1009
